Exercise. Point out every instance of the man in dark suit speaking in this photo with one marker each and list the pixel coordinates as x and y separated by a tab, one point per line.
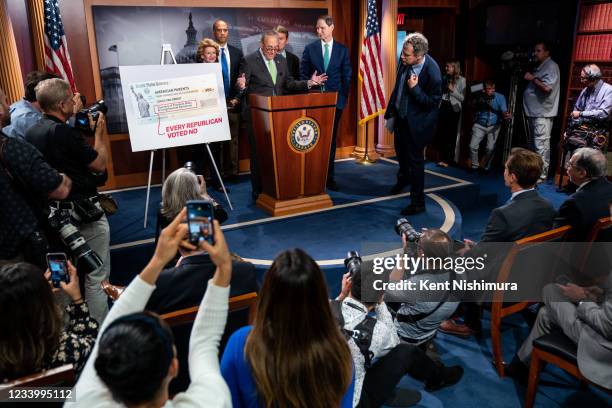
412	113
264	72
331	57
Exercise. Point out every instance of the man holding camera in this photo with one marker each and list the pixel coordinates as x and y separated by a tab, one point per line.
491	109
66	149
541	103
26	182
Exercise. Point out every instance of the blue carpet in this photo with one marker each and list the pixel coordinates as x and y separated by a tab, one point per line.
368	228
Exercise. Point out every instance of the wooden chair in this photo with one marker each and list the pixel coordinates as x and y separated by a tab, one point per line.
236	303
64	375
600	226
500	309
241	312
558	349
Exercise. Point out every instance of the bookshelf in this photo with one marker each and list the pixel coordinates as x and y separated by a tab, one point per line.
592	44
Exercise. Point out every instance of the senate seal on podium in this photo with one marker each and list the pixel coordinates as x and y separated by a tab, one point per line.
303	134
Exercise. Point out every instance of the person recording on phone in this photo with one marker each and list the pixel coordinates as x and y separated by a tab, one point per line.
135	357
65	149
38	339
27	182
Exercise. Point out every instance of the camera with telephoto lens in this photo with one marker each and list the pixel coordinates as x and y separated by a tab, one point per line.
61	221
352	262
402	226
81	119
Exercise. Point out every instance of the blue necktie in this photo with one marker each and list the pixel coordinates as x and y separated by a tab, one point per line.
400	90
225	70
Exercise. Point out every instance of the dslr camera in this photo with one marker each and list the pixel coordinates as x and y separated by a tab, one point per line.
352	263
403	226
81	119
60	220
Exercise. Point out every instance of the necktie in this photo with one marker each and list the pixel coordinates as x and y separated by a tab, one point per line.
400	90
326	57
225	71
272	69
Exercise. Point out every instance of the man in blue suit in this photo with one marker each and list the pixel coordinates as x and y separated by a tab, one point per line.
412	114
332	58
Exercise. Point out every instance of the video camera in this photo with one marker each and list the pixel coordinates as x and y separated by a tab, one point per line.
81	119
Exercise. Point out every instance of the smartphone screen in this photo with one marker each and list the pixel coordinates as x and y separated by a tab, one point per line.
199	220
58	266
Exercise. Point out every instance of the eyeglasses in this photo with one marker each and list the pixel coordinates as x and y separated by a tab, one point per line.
270	49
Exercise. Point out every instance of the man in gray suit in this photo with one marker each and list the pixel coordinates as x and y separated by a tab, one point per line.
264	72
585	316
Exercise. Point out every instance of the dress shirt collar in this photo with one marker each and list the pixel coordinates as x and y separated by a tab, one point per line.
516	193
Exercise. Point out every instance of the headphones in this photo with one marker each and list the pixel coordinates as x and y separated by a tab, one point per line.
591	74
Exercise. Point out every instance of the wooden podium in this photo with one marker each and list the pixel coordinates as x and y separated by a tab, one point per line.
293	139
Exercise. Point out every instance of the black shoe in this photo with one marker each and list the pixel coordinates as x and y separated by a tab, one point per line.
450	376
483	171
517	370
254	195
470	170
331	185
403	397
413	209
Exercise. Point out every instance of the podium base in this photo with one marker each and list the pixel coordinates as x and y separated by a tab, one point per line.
298	205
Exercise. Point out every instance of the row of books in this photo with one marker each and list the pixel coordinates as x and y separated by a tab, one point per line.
593	47
596	17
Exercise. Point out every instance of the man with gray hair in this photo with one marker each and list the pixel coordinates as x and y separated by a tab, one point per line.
587	169
412	113
67	151
595	101
541	103
266	73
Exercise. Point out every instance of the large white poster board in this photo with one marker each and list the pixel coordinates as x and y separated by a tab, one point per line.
174	105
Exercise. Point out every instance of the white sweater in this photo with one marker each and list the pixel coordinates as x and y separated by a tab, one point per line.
207	388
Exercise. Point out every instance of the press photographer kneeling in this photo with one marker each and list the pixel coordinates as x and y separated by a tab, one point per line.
381	359
66	150
421	311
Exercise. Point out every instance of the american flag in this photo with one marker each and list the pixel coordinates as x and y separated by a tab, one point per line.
57	59
370	69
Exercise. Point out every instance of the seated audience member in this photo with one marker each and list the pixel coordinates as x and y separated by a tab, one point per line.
420	314
26	184
586	169
526	213
184	285
34	337
595	101
584	314
293	355
181	186
381	364
491	110
134	359
26	112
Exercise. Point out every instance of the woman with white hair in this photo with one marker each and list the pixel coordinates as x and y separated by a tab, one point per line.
181	186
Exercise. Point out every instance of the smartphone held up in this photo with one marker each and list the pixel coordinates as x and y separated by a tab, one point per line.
200	215
58	265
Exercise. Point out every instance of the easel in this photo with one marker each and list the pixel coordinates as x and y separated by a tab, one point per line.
167	48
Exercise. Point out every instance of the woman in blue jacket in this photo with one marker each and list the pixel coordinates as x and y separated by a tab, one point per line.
294	355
